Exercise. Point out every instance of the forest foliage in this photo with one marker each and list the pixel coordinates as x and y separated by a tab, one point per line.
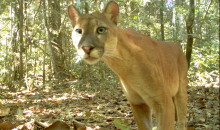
36	50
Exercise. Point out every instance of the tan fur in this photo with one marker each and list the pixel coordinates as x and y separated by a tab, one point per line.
153	74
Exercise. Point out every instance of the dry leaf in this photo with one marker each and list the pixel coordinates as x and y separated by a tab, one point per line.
7	126
4	111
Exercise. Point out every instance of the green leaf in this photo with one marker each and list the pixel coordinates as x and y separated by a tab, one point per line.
135	17
20	113
119	124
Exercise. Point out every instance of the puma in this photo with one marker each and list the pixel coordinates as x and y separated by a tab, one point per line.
153	74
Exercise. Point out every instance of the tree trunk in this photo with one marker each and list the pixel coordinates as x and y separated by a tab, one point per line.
15	69
161	20
21	41
189	28
86	7
177	21
54	39
44	64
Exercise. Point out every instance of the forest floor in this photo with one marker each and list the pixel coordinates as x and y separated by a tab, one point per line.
97	106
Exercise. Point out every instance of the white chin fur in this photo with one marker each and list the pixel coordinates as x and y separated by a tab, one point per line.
91	62
84	56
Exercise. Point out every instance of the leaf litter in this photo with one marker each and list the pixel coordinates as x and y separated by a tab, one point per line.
95	106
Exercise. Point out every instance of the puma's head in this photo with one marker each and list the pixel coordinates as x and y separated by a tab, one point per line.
94	35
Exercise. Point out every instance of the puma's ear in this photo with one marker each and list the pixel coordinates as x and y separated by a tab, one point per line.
112	9
73	14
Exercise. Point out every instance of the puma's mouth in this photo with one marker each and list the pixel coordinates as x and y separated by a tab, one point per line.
93	57
91	60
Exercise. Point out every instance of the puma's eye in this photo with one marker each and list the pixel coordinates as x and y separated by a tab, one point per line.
79	31
101	30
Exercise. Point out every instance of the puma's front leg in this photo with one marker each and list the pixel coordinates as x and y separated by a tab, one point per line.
142	115
166	115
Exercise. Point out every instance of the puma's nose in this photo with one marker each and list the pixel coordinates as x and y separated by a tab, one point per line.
87	49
